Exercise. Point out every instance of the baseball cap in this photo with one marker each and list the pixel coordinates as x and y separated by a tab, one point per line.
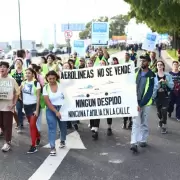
145	57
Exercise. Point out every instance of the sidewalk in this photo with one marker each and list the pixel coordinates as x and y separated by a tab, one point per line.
168	59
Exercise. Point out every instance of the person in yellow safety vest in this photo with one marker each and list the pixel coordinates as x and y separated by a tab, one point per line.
76	60
101	54
153	64
145	86
50	64
127	59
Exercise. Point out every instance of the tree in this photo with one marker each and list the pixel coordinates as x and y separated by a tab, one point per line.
160	15
116	28
117	25
51	46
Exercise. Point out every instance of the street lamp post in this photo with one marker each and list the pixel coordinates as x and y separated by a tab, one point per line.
19	12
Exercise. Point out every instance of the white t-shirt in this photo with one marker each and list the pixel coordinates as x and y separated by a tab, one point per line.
28	93
56	98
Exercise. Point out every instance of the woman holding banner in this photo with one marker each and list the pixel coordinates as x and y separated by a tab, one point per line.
54	99
9	92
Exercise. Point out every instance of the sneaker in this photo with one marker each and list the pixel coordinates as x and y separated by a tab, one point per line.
109	131
16	127
134	148
143	144
53	152
163	130
32	150
19	130
38	141
160	124
178	119
130	126
62	144
76	127
95	135
6	147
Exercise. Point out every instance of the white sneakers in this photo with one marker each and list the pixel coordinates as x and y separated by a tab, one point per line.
6	147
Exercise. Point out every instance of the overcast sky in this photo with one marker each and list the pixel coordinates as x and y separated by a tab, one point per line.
38	16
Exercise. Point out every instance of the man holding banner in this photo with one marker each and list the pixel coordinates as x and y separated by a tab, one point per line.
9	92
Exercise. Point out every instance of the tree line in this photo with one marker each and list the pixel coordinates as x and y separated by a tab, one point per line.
116	27
160	15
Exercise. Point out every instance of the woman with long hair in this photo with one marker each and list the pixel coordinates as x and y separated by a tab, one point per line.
31	90
54	99
50	66
163	84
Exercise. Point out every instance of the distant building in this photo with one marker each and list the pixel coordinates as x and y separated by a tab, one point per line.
26	44
4	45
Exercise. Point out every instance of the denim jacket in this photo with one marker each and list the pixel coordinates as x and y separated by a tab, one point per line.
170	84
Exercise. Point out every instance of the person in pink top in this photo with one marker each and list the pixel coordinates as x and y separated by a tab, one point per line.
28	58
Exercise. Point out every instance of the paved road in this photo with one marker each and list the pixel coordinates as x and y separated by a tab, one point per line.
109	158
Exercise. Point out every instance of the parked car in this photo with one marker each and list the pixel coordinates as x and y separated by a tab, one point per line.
33	52
43	52
2	55
10	54
56	51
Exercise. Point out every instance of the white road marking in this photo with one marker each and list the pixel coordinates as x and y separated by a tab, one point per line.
49	166
103	154
117	161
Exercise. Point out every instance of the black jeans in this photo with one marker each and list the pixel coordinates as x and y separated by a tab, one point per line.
96	122
162	109
126	120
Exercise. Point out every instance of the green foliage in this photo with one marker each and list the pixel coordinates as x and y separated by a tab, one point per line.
51	46
160	15
116	28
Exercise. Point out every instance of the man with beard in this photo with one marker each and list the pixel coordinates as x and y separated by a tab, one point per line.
145	85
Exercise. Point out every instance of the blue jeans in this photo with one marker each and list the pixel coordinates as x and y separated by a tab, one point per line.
19	107
52	120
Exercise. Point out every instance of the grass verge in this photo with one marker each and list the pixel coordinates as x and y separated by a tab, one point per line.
113	51
172	53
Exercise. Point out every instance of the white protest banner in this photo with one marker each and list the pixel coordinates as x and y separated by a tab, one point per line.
99	92
149	43
6	89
